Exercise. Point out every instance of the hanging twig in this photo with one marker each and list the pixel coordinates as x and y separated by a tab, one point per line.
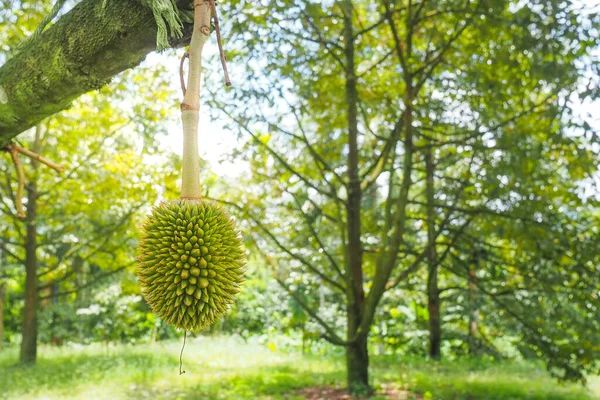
181	74
213	8
181	372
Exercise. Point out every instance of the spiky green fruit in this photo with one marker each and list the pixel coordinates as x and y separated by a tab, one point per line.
191	262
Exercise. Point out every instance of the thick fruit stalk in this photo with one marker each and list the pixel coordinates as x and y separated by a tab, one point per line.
190	107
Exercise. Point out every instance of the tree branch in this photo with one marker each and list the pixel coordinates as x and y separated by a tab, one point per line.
97	279
272	237
102	43
316	236
280	159
331	336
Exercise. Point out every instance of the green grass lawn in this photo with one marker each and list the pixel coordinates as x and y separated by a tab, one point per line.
226	368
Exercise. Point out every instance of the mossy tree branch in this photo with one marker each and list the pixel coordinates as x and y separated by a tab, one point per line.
81	52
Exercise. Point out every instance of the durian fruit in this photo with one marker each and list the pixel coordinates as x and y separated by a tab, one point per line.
191	262
191	254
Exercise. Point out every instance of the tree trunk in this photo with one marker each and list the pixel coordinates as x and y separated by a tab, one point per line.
381	343
357	357
29	342
304	338
473	313
433	292
29	331
357	363
2	295
78	266
46	76
155	332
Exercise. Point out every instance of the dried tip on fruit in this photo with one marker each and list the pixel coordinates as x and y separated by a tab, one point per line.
191	262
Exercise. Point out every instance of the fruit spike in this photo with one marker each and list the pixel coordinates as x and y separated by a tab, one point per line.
185	283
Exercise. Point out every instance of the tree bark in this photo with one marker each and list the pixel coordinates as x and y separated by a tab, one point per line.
82	51
473	313
357	356
29	331
433	292
357	364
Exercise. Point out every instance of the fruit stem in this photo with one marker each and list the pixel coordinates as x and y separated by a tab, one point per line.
190	107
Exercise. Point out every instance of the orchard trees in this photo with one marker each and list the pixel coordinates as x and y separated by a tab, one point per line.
382	136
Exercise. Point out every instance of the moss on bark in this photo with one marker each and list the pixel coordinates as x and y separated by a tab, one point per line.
82	51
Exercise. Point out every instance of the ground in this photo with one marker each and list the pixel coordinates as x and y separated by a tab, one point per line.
227	368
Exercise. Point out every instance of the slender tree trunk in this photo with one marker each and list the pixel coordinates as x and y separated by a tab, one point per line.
433	292
29	332
357	356
46	295
304	338
29	342
473	313
2	295
154	332
381	342
78	266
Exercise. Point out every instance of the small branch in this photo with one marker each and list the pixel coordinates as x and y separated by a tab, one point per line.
381	20
331	336
35	156
181	74
213	8
445	289
243	127
326	44
4	207
14	151
388	15
304	138
379	164
54	281
105	233
97	279
416	263
10	253
334	284
85	161
428	68
312	229
376	64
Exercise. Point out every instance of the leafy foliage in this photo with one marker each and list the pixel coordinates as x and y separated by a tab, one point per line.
490	89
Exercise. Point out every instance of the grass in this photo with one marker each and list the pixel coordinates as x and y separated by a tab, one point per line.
226	368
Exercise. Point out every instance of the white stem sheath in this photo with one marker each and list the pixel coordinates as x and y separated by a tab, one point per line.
190	108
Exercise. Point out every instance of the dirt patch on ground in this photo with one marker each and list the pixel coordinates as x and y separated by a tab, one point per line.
390	392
